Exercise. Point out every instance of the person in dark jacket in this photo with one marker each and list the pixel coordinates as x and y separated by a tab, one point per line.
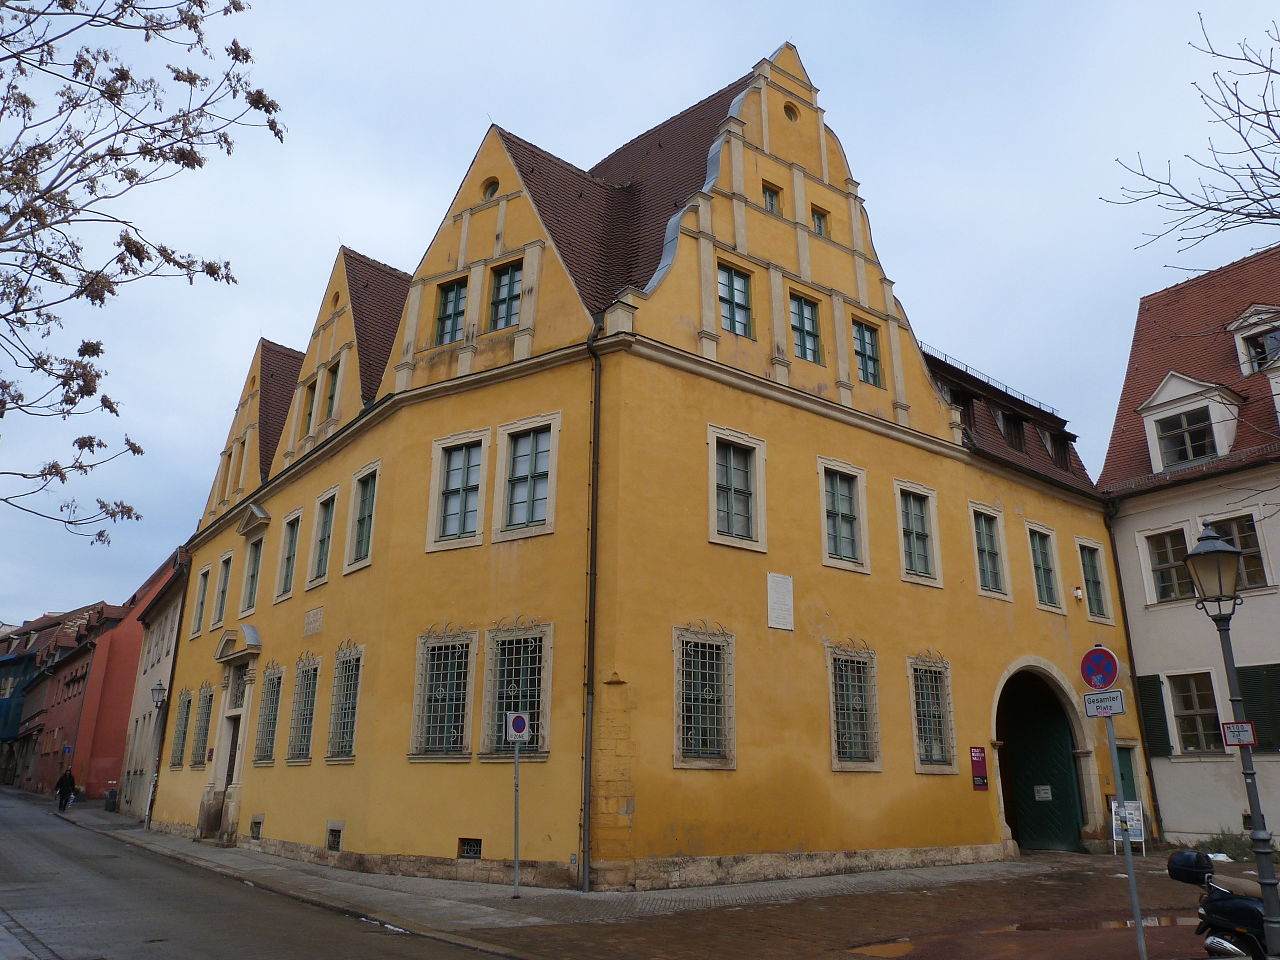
64	788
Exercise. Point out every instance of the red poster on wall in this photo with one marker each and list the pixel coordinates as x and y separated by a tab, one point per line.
978	761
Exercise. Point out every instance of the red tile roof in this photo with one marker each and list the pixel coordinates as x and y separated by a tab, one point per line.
280	366
609	223
377	292
1183	328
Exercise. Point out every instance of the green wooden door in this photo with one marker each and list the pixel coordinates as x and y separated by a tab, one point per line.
1128	784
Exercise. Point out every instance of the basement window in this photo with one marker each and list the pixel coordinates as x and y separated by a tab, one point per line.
468	848
334	841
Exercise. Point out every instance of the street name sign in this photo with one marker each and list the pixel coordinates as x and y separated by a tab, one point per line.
1104	703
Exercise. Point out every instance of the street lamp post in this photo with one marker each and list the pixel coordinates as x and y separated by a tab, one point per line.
1214	566
158	696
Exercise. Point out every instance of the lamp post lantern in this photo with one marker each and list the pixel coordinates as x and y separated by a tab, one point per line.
158	693
1214	566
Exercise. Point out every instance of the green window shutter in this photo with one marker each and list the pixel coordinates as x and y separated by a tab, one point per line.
1155	727
1260	688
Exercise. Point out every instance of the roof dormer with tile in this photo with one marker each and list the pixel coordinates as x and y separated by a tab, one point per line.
1199	395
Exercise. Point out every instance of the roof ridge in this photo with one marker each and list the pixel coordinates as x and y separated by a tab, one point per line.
1210	271
504	132
280	346
372	262
675	116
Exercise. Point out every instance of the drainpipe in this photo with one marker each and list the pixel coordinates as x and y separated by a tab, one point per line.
589	680
1109	516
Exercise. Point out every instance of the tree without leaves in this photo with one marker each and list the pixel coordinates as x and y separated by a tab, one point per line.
80	129
1238	183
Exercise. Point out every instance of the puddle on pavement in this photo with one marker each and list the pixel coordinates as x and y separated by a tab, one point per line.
888	949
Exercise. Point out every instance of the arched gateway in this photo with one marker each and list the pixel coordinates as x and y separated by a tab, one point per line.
1039	777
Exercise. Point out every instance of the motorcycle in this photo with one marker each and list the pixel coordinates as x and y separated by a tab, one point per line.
1230	908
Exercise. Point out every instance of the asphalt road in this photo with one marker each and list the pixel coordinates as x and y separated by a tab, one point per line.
69	894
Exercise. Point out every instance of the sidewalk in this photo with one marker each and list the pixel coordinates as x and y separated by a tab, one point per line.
540	924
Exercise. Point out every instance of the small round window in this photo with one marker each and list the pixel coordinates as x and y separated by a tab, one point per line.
490	188
791	112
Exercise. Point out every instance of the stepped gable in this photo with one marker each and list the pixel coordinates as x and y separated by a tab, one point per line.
1184	328
985	437
278	373
377	293
609	223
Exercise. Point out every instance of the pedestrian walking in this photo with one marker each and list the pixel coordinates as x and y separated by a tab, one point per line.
65	788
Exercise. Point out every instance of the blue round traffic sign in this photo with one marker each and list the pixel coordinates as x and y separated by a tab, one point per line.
518	723
1100	668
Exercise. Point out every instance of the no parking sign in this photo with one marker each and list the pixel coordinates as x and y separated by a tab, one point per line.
517	727
1100	668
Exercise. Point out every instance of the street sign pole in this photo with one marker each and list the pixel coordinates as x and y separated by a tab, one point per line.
516	767
1124	833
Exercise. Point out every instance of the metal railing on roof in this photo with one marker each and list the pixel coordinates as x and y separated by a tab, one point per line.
1004	388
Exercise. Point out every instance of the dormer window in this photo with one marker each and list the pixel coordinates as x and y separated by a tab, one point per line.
1263	348
1257	336
1186	437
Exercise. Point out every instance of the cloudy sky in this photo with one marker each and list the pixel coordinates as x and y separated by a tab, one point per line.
984	135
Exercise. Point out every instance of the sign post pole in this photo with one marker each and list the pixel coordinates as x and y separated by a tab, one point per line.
1124	834
515	895
517	733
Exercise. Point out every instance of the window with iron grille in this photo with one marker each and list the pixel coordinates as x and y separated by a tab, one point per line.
239	681
180	724
220	600
1042	566
200	733
202	591
804	328
916	548
304	708
324	534
734	498
704	699
1091	568
253	565
516	679
866	349
1168	573
931	701
1242	533
362	530
1196	713
842	519
986	534
735	301
289	554
1185	437
264	747
453	307
460	491
853	707
528	477
505	308
346	692
442	695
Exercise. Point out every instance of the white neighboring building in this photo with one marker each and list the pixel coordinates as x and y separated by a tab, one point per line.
1197	438
161	620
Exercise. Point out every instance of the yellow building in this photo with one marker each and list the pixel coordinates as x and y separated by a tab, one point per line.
651	454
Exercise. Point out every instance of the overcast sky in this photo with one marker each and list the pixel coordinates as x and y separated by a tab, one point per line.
983	135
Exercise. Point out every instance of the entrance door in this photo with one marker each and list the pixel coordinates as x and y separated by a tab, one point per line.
234	730
1037	766
1128	783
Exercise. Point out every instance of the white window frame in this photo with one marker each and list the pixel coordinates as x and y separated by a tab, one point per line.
1171	715
506	431
311	579
1258	514
226	564
439	449
935	553
489	744
930	663
470	639
759	511
1144	559
247	603
1257	320
346	652
349	564
996	514
281	593
728	700
1108	604
1223	419
201	598
1032	526
836	652
863	562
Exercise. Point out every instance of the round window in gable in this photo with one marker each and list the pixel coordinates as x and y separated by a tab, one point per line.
791	112
490	188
